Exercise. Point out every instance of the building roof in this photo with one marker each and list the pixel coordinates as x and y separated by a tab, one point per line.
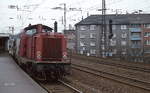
117	19
4	34
69	30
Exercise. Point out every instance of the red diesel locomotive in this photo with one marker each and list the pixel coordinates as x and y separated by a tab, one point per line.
41	52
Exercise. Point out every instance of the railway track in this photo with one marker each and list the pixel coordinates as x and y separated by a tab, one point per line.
131	66
117	78
59	87
54	87
142	69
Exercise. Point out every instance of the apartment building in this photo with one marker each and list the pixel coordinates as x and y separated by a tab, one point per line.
130	36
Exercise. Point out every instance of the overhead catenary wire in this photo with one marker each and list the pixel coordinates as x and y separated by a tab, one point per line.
81	4
34	9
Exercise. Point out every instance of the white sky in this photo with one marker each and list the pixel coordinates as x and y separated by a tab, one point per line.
44	14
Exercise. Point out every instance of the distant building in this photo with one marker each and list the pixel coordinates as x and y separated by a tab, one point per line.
130	41
146	42
71	39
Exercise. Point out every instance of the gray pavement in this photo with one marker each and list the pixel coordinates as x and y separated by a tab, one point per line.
14	80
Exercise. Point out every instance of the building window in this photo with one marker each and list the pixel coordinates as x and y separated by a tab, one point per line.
92	44
123	43
114	51
82	36
113	27
70	36
83	48
135	25
92	51
146	34
102	47
81	51
92	35
147	50
114	35
103	39
147	42
135	44
147	26
82	27
113	42
123	53
92	27
124	35
123	26
82	44
124	49
135	35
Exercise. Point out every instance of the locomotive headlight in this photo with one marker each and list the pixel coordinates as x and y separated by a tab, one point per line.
38	53
65	55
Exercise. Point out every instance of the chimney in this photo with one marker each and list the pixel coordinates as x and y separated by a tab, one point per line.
55	26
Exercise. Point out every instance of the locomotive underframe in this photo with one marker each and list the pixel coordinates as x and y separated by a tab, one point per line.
45	70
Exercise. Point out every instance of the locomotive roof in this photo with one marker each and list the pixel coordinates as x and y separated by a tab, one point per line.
34	26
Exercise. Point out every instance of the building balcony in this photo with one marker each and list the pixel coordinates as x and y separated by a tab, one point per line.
135	46
135	38
135	29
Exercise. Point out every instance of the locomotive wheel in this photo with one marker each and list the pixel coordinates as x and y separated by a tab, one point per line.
40	76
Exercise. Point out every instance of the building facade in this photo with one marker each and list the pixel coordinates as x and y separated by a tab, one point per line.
71	39
130	36
146	42
87	39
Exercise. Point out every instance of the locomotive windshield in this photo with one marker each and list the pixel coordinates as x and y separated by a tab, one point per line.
31	31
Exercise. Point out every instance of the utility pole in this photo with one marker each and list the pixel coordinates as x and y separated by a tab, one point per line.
65	16
65	11
103	32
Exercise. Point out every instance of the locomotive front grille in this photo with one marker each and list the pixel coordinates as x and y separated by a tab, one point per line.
52	49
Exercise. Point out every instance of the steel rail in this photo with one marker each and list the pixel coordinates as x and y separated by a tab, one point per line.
117	78
73	88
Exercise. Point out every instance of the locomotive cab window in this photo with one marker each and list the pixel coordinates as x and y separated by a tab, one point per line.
31	31
46	30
